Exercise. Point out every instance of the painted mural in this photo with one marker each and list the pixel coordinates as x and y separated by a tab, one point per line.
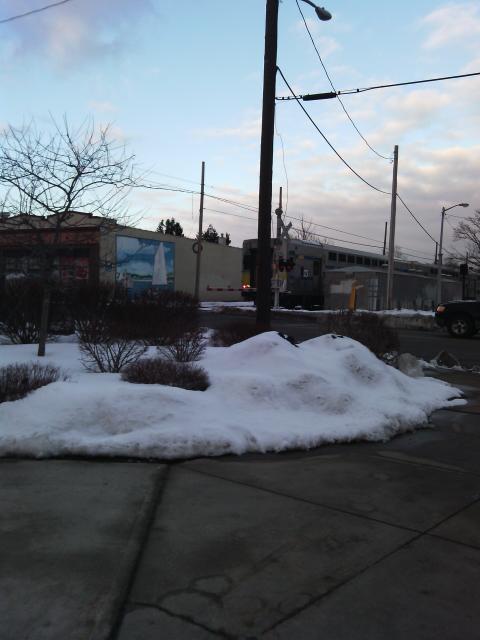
144	264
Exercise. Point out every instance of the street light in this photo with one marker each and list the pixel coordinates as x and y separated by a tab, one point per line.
440	254
263	299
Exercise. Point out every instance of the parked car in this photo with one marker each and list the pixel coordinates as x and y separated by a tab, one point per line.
460	317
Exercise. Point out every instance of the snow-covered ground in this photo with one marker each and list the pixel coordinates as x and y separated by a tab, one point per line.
249	306
266	395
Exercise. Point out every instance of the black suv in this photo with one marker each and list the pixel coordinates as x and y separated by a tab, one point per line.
461	317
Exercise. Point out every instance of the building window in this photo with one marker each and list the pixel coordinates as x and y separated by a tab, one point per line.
332	256
367	262
316	268
359	259
375	262
342	257
351	259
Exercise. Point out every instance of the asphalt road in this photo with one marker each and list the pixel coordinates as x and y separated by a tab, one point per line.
423	344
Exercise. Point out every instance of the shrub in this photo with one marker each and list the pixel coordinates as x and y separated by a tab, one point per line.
167	372
101	350
187	347
368	328
154	317
234	332
20	310
17	380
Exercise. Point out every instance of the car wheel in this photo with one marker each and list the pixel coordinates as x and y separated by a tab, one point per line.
461	327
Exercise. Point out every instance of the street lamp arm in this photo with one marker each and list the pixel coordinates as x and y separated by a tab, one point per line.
322	13
460	204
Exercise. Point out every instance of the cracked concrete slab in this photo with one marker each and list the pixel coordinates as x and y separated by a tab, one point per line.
407	495
236	560
463	527
148	623
427	590
70	533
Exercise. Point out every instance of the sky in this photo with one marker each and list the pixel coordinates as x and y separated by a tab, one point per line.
180	81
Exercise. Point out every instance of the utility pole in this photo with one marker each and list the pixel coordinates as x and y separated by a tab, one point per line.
385	239
264	258
436	253
440	260
391	242
200	232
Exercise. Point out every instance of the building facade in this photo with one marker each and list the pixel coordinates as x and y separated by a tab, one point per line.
95	249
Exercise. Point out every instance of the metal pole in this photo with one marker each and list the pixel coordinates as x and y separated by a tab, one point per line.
436	253
276	294
391	242
264	259
279	212
200	231
385	239
440	260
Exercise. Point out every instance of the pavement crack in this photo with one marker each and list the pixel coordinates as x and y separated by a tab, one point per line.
305	500
329	592
184	618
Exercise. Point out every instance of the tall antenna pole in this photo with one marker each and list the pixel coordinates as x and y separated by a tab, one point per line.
391	242
200	232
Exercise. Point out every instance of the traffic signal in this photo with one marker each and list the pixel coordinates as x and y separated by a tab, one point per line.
289	264
281	264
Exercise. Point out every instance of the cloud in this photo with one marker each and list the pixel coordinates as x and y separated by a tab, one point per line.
102	106
249	128
453	24
71	33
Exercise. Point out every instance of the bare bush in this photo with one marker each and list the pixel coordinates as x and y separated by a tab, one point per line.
368	328
102	350
234	332
167	372
17	380
20	310
187	347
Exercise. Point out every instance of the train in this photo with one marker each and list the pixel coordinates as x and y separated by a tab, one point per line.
299	269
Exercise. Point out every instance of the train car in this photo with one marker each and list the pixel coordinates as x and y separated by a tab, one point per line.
303	267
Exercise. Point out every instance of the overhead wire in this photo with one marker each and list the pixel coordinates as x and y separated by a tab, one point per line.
32	11
380	155
348	92
327	140
415	218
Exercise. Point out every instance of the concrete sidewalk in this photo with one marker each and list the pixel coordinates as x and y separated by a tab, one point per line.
360	541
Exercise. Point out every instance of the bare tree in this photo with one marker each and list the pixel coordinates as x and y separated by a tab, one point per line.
304	231
469	231
48	176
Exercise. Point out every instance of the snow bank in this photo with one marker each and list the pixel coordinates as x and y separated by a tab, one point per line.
266	395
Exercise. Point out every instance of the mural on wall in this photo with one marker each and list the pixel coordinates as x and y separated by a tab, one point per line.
145	264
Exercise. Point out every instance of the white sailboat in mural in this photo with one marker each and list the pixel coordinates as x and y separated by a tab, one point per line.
159	276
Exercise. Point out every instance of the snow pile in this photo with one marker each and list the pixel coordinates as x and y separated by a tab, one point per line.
266	395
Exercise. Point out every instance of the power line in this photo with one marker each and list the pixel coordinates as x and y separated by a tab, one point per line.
415	218
348	92
162	187
283	159
334	89
328	141
29	13
402	84
228	213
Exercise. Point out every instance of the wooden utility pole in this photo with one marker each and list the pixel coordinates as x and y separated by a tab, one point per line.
264	256
385	239
200	232
391	242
